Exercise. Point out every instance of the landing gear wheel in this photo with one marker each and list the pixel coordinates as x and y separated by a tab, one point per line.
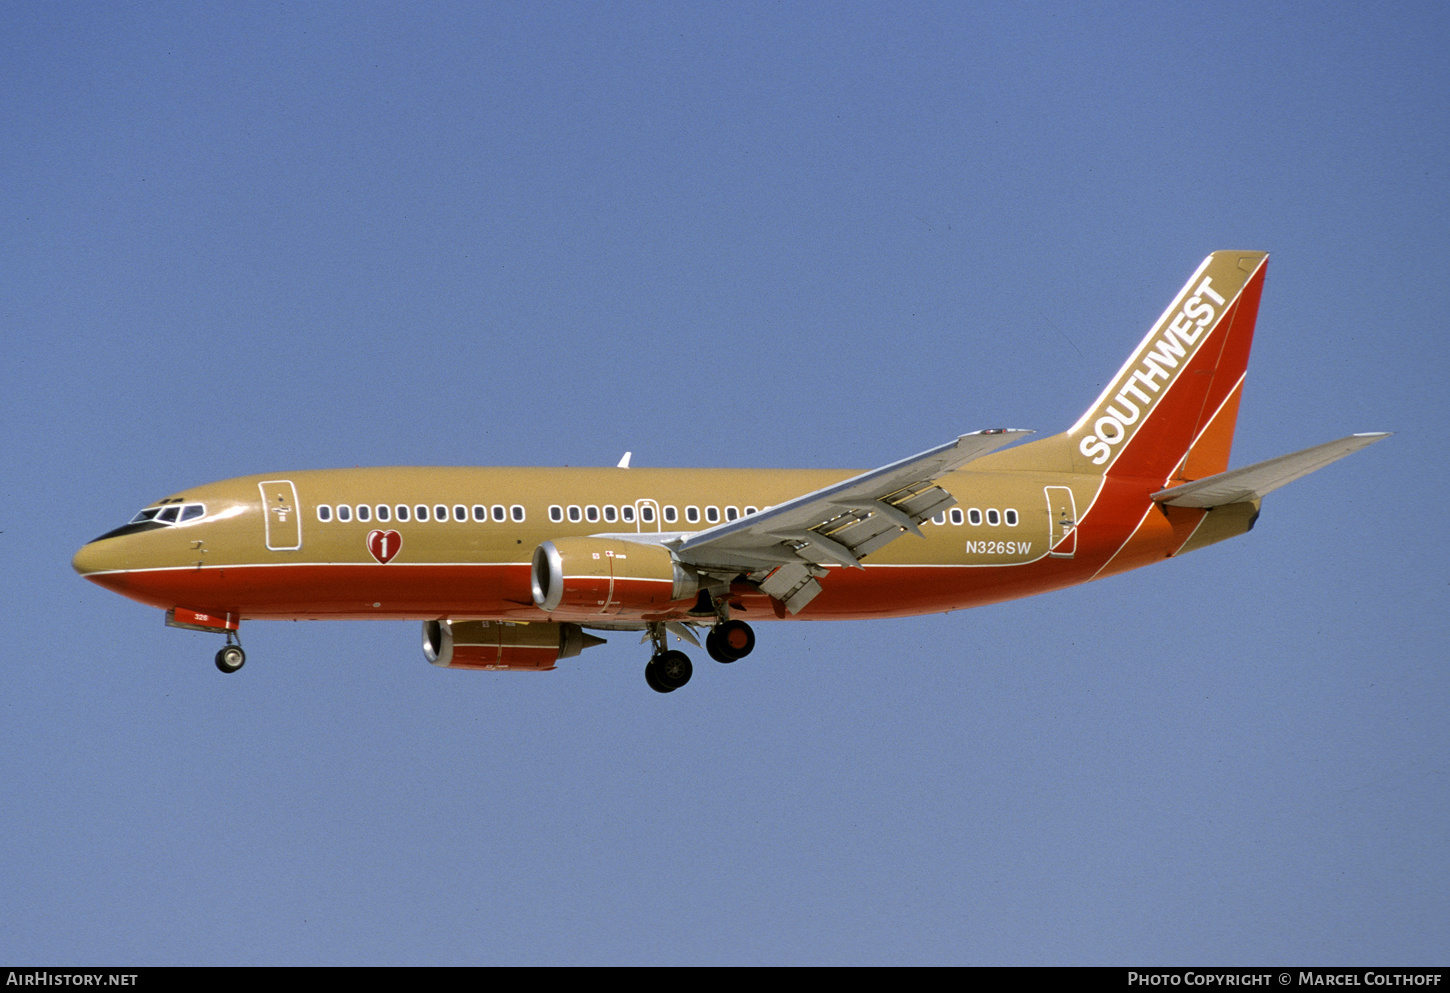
717	649
730	641
231	658
670	670
654	680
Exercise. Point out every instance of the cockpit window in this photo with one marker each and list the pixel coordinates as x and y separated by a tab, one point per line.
163	516
176	513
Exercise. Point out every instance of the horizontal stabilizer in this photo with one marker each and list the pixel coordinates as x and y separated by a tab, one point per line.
1253	482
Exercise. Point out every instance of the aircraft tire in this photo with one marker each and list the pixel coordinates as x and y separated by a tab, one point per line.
717	648
737	638
653	680
231	658
672	669
730	641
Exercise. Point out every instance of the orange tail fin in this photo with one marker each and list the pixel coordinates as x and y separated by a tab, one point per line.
1169	413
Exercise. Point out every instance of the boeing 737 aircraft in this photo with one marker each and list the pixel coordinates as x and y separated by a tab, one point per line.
511	568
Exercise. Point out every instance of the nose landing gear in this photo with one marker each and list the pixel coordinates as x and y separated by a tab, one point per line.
231	657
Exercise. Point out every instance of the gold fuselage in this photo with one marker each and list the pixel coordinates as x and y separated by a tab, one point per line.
268	550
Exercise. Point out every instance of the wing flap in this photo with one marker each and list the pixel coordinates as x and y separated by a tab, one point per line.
792	585
1255	481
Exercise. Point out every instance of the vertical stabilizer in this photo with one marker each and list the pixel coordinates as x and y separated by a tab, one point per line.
1169	413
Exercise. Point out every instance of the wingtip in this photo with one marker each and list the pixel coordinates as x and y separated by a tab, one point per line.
994	431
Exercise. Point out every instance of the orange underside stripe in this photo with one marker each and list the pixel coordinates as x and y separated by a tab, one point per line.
1162	532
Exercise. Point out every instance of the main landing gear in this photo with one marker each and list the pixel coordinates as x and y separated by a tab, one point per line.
231	657
668	669
730	641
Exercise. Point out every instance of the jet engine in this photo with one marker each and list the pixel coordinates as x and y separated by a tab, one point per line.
500	645
592	576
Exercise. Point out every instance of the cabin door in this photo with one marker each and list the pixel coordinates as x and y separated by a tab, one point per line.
283	515
1062	522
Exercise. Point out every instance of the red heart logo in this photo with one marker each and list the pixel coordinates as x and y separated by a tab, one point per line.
384	545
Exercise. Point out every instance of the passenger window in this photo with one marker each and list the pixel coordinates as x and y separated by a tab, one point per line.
974	517
500	513
364	512
647	514
420	512
610	513
1011	517
993	518
939	518
556	513
480	512
750	510
574	515
692	515
671	515
956	515
712	515
517	512
384	512
460	513
731	513
627	513
440	513
344	512
324	512
402	510
591	513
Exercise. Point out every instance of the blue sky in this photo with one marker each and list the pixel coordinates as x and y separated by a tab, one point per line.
248	238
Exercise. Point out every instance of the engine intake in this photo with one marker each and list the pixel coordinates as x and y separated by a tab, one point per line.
499	645
593	576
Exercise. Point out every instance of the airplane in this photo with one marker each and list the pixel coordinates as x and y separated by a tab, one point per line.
512	568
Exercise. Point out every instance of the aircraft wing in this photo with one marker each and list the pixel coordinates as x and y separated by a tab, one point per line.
1253	482
837	525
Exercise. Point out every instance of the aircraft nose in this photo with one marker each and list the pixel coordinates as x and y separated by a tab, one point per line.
93	557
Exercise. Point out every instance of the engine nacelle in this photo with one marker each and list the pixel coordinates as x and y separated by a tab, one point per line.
498	645
591	576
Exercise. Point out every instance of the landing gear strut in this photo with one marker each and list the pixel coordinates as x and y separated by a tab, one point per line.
667	670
